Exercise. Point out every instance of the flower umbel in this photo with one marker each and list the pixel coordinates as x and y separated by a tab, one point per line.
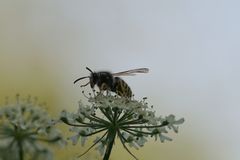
24	127
131	121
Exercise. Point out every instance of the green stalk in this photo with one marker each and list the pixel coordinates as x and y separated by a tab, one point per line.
20	151
112	131
111	137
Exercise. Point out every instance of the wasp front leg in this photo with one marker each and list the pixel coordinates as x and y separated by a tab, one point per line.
93	90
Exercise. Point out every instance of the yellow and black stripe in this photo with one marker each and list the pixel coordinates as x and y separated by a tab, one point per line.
122	88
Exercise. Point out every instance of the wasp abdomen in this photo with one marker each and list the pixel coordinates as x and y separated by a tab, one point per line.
121	88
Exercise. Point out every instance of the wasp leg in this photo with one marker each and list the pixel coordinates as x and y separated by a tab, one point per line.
107	92
93	90
104	87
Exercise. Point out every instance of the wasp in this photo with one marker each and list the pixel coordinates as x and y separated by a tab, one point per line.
107	81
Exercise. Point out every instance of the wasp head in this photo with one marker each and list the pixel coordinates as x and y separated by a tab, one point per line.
93	79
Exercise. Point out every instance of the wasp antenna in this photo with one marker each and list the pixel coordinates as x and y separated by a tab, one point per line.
80	79
89	69
85	84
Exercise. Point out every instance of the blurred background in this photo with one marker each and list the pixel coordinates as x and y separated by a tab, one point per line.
191	48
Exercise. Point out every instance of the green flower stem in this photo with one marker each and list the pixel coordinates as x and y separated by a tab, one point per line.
136	131
112	131
95	126
94	132
46	140
127	115
111	137
106	114
119	112
136	121
97	119
20	152
93	144
156	126
132	133
123	140
110	112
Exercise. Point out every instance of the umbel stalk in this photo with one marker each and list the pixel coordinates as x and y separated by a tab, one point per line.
111	138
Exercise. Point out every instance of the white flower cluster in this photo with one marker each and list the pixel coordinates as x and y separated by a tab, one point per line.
131	120
24	127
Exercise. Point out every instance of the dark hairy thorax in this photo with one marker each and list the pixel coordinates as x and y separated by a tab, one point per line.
105	80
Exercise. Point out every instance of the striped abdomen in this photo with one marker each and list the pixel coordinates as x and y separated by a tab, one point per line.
121	88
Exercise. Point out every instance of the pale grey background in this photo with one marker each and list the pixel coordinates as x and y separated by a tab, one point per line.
191	48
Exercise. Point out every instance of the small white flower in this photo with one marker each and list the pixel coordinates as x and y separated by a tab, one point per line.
133	144
100	148
101	145
74	139
141	141
29	123
172	122
163	137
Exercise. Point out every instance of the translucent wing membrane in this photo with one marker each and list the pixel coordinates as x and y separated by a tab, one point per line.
131	72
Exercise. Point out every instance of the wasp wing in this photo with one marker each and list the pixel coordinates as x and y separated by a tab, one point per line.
131	72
